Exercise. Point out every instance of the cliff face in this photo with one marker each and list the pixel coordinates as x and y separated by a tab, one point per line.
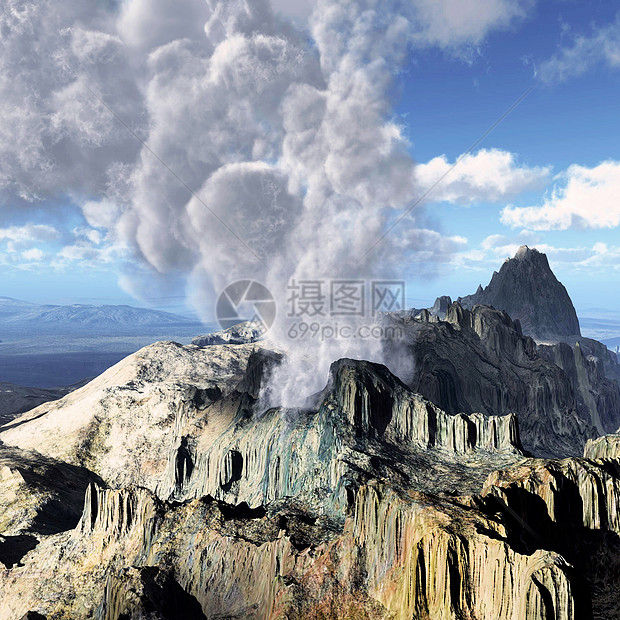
123	423
158	434
394	557
526	288
372	503
479	361
478	355
570	507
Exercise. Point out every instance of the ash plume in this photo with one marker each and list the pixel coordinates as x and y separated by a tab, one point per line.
222	140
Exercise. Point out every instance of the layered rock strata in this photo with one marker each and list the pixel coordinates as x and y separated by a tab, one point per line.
373	503
479	361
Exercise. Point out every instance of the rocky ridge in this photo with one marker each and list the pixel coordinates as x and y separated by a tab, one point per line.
480	361
166	488
370	503
243	333
183	441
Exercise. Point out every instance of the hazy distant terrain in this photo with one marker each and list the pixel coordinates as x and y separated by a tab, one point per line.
46	346
22	317
15	399
602	325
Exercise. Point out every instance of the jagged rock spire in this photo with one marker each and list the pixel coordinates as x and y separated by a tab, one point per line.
526	288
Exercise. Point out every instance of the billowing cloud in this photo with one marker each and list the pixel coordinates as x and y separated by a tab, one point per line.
56	137
258	141
218	141
582	198
489	175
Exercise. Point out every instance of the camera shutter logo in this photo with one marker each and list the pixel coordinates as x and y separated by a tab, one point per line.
246	300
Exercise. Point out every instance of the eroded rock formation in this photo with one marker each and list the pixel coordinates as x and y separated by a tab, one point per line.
526	288
371	503
479	361
243	333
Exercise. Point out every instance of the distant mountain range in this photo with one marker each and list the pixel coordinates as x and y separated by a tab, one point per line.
16	315
44	346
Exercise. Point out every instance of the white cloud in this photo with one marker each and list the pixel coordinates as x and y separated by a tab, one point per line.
450	23
490	175
147	24
29	232
445	23
88	255
91	235
525	237
599	256
285	135
34	254
583	198
101	213
603	46
55	136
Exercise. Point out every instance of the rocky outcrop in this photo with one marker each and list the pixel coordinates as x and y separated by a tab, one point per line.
526	288
126	423
376	403
38	495
441	306
432	560
479	361
606	447
574	493
593	376
394	557
160	435
118	513
243	333
365	418
369	503
479	356
570	507
438	310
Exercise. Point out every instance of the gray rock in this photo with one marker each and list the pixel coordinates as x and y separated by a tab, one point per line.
441	306
526	288
479	361
372	504
243	333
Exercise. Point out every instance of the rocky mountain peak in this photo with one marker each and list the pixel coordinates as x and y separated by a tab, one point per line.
441	305
527	253
527	289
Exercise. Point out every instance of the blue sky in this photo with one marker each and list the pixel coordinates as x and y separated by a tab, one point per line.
447	103
89	210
